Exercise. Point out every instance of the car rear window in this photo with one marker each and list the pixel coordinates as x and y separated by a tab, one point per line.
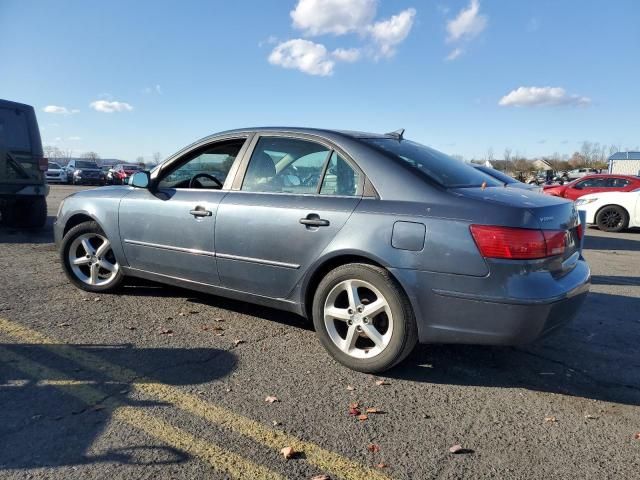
436	166
81	164
14	130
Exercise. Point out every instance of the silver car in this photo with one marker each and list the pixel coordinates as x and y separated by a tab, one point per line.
381	241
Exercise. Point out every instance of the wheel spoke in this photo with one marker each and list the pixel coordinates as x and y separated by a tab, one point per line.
350	339
107	265
352	292
374	308
337	313
371	332
82	261
103	249
93	279
88	247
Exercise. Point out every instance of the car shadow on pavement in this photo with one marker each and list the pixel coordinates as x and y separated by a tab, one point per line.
28	235
592	242
595	357
615	280
57	415
140	287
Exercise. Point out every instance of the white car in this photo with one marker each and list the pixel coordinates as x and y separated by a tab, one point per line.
580	172
611	211
55	173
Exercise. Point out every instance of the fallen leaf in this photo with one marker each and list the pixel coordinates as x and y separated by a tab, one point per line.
271	399
166	331
97	299
181	314
362	417
275	423
373	448
637	436
193	312
64	324
354	408
382	382
550	419
373	410
351	388
218	319
320	477
382	465
591	417
287	452
459	449
219	334
131	327
238	342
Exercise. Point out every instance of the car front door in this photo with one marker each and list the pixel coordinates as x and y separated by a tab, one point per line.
585	187
169	228
294	198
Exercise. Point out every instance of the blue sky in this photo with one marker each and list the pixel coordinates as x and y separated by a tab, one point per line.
127	79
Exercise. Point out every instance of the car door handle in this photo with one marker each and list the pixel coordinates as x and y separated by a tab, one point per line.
200	212
314	220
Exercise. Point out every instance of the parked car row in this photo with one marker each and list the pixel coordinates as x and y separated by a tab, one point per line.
87	172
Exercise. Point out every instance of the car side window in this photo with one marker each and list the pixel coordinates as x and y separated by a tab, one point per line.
207	169
340	178
285	165
617	182
592	183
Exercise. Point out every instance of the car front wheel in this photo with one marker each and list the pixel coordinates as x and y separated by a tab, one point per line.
612	219
88	259
363	318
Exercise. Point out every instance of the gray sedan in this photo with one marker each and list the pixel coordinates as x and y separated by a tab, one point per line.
381	241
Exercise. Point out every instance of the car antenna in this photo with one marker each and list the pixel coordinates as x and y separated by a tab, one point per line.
397	134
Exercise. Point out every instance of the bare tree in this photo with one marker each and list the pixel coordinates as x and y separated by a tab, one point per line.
91	156
156	158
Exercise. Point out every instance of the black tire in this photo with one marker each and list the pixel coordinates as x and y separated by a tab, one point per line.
612	218
71	235
404	335
31	213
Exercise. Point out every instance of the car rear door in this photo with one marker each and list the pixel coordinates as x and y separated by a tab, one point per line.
169	230
294	198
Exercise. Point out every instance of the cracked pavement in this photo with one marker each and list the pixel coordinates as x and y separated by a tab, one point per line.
91	387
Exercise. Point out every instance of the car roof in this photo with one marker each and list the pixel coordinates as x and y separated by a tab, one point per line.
610	175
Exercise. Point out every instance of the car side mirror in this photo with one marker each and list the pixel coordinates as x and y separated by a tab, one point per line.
139	180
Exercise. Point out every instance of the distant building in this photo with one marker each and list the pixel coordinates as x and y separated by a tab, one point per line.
625	163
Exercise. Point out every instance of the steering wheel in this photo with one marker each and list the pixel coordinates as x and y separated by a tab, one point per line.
203	175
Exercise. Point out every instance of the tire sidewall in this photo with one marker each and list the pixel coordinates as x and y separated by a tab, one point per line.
70	236
404	330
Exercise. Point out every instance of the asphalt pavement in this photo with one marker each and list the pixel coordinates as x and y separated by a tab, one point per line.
158	382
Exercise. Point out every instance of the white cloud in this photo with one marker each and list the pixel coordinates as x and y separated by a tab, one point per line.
455	53
349	55
303	55
75	139
110	107
542	96
389	33
59	110
468	24
154	89
319	17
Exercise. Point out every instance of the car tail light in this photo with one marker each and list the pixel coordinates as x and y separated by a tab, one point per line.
517	243
43	164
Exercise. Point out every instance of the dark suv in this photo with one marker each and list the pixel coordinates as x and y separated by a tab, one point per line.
84	171
23	187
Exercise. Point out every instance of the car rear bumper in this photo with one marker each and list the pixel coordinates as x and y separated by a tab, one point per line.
479	316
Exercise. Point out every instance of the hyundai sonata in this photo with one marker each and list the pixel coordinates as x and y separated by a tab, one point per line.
381	241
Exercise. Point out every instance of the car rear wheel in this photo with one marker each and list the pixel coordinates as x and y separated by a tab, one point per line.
88	259
363	318
612	219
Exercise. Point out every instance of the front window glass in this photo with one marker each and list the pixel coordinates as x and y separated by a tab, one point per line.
208	169
53	166
435	166
85	164
340	178
285	165
592	183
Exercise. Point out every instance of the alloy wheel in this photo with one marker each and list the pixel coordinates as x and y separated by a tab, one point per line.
92	260
358	319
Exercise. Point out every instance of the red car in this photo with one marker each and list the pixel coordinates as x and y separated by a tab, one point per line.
122	172
593	184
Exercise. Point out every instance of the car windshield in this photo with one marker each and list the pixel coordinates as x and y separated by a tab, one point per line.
53	166
436	166
130	167
82	164
503	177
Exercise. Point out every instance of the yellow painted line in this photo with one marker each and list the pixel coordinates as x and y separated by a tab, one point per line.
219	458
326	460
